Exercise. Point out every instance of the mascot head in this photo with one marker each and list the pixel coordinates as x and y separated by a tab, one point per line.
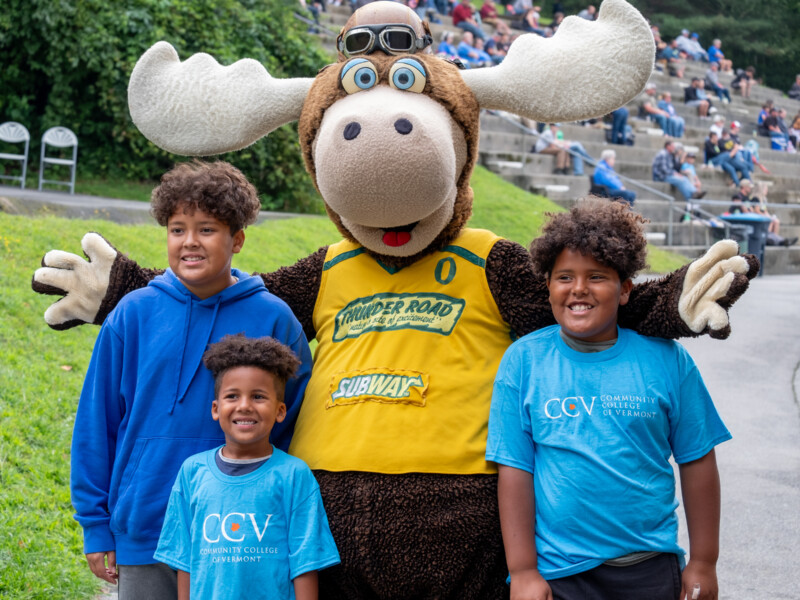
390	133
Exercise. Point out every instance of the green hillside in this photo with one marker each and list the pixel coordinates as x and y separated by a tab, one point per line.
41	371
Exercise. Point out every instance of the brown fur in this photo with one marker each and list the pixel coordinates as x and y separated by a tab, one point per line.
450	524
445	85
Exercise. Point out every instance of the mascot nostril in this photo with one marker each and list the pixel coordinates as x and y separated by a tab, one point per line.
352	130
403	126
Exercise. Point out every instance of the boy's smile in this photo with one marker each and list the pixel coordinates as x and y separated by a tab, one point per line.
200	248
585	296
247	407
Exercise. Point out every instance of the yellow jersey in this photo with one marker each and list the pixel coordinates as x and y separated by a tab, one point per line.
405	362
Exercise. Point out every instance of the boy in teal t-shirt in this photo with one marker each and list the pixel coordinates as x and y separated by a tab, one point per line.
584	419
246	520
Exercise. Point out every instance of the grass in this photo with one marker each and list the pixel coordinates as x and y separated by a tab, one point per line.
41	371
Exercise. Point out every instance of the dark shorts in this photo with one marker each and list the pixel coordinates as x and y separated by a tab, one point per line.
414	536
154	582
658	578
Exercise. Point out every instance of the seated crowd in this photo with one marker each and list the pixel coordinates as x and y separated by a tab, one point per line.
474	46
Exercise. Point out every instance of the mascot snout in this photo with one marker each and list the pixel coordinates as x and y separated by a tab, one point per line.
388	127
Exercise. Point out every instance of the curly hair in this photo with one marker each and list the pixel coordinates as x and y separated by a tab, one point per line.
216	188
607	231
265	353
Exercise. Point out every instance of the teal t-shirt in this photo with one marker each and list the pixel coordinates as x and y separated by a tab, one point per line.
596	430
245	536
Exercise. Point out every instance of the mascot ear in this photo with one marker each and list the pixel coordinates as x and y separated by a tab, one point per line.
587	69
199	108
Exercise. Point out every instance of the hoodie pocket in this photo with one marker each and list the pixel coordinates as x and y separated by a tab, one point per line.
147	481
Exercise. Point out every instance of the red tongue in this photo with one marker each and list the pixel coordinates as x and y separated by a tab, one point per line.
396	238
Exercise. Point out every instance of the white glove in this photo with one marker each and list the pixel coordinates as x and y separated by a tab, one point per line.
708	280
83	283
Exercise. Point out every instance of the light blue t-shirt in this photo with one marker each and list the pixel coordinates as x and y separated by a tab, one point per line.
596	430
245	536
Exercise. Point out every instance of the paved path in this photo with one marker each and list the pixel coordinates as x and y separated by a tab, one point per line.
14	200
753	378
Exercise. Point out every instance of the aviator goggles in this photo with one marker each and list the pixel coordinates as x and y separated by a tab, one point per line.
394	38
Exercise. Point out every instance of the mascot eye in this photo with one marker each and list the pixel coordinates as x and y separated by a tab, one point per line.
408	74
358	75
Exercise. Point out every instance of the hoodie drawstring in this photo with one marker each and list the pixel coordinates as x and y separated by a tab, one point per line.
206	339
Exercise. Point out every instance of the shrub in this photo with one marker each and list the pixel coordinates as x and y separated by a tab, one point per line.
68	63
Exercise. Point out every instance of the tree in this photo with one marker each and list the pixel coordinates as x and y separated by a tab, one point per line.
762	34
67	62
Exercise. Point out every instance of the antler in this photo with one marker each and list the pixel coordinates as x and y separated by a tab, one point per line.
587	69
198	107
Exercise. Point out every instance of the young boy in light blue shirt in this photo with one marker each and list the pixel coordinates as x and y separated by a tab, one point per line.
584	418
246	520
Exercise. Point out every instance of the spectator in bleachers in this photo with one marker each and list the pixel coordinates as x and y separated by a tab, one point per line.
672	58
589	13
714	85
666	168
747	152
717	157
528	22
744	81
547	143
604	174
488	59
778	130
656	33
464	17
469	53
551	141
427	10
784	127
648	109
794	91
694	42
443	7
688	170
314	7
619	127
695	95
763	115
716	57
519	7
490	16
746	201
740	158
558	18
446	48
497	46
717	124
794	130
675	123
685	45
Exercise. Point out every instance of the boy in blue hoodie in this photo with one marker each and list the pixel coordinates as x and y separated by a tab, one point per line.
144	405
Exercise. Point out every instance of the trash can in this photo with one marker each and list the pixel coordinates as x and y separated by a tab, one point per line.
756	228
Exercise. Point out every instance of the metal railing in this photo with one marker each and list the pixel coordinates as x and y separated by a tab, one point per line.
320	28
634	182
